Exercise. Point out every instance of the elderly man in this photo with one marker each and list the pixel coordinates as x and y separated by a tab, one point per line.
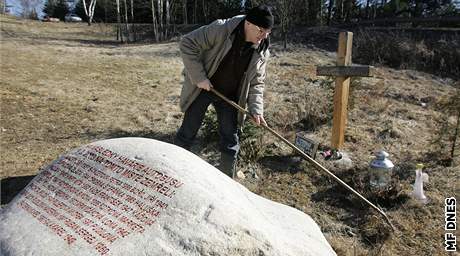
230	56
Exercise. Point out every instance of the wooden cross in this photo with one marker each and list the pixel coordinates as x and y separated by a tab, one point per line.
343	71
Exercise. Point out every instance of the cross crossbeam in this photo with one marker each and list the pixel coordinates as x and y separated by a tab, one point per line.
364	71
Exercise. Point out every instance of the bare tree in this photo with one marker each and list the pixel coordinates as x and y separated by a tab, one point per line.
285	9
132	10
133	28
3	3
155	22
160	18
195	7
105	9
29	8
119	30
367	9
348	10
167	18
126	20
313	10
162	11
321	7
89	10
339	10
205	12
329	11
184	11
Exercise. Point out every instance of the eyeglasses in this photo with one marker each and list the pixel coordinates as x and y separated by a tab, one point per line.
262	31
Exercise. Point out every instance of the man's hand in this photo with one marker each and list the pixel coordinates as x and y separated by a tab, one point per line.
205	85
259	119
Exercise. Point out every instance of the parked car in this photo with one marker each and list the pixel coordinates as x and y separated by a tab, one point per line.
72	18
50	19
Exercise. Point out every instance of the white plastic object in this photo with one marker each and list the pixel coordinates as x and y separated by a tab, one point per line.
420	177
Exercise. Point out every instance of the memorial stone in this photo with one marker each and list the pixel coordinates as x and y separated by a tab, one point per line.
136	196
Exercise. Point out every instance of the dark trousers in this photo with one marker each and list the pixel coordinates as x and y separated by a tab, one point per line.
227	117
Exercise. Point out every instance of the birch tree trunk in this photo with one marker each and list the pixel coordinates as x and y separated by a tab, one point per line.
160	19
105	11
172	15
133	29
312	12
119	30
89	10
167	18
341	10
154	21
347	10
184	11
205	13
126	21
329	12
338	13
284	8
195	7
321	12
367	8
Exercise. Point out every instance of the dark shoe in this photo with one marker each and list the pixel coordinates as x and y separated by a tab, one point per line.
227	165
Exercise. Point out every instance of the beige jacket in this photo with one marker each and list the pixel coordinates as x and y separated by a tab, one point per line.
203	49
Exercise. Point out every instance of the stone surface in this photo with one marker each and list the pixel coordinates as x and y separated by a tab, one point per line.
135	196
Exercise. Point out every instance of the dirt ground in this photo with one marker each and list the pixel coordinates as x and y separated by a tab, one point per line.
64	85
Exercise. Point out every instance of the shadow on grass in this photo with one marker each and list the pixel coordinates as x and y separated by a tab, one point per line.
288	163
96	42
46	40
337	196
389	197
353	211
89	42
11	186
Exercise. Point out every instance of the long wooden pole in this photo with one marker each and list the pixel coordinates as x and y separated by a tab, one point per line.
311	160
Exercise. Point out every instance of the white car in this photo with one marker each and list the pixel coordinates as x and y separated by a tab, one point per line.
72	18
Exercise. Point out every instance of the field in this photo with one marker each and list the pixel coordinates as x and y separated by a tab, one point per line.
64	85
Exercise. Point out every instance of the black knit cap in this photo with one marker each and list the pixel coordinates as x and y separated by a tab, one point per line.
261	16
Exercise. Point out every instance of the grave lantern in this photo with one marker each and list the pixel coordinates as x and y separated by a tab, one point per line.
381	169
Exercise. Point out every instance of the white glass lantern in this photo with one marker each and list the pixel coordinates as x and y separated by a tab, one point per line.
381	169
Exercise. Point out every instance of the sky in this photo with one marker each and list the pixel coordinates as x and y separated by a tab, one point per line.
17	10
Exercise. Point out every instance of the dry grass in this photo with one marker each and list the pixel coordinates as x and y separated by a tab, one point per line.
427	51
64	85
